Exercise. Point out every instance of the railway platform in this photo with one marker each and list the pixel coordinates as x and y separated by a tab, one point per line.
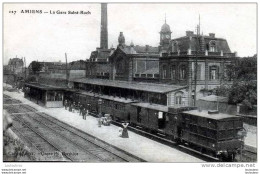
137	145
142	147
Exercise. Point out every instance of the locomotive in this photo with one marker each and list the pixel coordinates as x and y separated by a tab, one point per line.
208	132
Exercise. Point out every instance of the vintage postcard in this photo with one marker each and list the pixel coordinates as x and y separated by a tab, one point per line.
130	82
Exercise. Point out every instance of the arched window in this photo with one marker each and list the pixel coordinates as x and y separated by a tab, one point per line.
183	72
213	72
178	98
173	72
212	46
164	72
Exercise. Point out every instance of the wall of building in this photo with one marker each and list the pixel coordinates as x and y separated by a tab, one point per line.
74	74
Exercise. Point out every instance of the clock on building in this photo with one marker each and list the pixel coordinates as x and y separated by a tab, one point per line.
167	36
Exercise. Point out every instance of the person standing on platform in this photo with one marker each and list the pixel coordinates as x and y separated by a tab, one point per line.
84	113
125	132
66	104
73	107
81	110
78	107
99	121
70	106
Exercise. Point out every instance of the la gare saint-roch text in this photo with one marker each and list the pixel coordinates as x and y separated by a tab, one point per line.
70	12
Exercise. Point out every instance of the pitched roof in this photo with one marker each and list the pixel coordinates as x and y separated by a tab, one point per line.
44	87
14	60
186	42
205	114
215	98
139	49
77	65
140	86
100	53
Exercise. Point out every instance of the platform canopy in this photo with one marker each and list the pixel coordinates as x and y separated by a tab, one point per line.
44	87
140	86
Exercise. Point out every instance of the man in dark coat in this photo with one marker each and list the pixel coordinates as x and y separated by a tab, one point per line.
66	104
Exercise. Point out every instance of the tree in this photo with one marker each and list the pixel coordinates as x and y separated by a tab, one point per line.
243	72
244	92
36	67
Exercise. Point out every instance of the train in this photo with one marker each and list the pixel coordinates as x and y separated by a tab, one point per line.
208	132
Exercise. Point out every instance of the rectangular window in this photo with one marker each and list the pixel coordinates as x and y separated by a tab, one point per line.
213	73
164	73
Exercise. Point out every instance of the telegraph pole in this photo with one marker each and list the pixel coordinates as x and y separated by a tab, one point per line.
196	62
67	77
24	69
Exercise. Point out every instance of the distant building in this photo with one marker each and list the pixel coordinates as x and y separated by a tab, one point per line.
14	72
77	69
15	65
97	65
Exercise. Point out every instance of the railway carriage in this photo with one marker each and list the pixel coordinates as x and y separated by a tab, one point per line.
117	107
152	117
208	132
213	133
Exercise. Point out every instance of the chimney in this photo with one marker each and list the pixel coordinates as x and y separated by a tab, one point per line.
189	33
103	31
146	48
212	35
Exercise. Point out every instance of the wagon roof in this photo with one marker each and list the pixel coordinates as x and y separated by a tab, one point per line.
152	106
205	114
116	99
141	86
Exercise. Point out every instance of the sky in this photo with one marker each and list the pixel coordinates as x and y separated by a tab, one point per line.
47	37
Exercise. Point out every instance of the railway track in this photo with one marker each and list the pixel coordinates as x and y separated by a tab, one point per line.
41	149
11	101
249	154
91	139
69	147
6	96
74	144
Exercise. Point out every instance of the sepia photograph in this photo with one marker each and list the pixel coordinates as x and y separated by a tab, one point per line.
130	82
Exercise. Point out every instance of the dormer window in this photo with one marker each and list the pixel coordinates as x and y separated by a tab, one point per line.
212	46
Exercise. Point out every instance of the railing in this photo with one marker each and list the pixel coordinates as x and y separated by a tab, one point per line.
199	54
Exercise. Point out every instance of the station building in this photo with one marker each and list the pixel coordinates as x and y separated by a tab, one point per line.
208	54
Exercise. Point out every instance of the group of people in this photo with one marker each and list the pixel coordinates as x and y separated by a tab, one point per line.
105	120
76	107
